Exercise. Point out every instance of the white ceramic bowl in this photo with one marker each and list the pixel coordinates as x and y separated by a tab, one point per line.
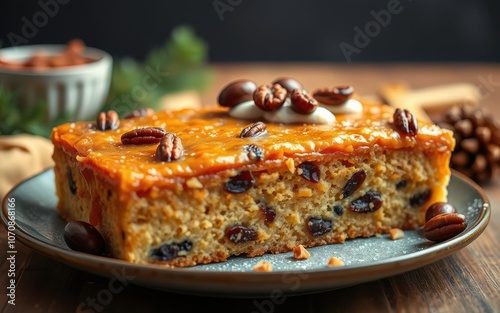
79	91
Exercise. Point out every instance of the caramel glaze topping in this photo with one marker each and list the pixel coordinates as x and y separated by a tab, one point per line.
212	144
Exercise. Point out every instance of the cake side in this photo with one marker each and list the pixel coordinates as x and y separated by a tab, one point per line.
204	223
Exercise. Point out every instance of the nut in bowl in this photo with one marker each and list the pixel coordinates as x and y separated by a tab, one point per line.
73	80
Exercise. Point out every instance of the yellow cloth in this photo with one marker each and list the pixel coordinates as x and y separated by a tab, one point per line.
22	156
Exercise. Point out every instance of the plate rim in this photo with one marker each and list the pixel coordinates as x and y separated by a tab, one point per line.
257	284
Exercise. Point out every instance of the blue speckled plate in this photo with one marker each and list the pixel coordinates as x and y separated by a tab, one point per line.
366	259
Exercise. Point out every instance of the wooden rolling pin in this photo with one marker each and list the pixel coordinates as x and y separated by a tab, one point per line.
430	102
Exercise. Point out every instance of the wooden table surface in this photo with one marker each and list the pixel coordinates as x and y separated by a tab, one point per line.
466	281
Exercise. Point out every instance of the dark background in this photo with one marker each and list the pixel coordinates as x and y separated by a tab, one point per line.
272	30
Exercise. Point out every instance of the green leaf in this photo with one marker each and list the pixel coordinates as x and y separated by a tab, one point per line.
16	119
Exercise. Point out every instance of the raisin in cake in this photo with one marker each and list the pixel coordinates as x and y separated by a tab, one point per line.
197	186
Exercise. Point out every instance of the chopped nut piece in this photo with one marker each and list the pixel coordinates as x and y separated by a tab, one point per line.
205	224
334	261
396	233
194	183
304	193
291	165
263	266
300	253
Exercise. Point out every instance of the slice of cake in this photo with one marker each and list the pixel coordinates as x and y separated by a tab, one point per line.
264	172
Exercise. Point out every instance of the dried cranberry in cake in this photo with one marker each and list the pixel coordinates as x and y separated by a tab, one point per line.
401	184
171	251
288	83
367	203
318	226
269	213
333	95
269	97
240	234
420	198
83	237
240	183
71	181
302	102
439	208
405	122
254	152
354	183
310	172
338	209
236	92
255	130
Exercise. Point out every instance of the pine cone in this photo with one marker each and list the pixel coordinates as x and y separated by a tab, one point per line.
477	135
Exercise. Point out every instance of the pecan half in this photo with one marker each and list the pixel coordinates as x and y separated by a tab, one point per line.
444	226
140	112
269	97
302	102
333	95
108	120
143	136
439	208
254	130
169	149
288	83
405	122
236	92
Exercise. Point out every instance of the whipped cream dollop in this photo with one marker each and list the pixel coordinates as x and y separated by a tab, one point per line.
324	114
287	115
350	106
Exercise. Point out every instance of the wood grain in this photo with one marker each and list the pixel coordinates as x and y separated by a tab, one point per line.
466	281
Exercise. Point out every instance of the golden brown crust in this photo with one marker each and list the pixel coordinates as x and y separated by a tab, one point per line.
213	146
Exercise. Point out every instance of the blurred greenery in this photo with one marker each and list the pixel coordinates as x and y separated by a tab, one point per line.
180	64
17	119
